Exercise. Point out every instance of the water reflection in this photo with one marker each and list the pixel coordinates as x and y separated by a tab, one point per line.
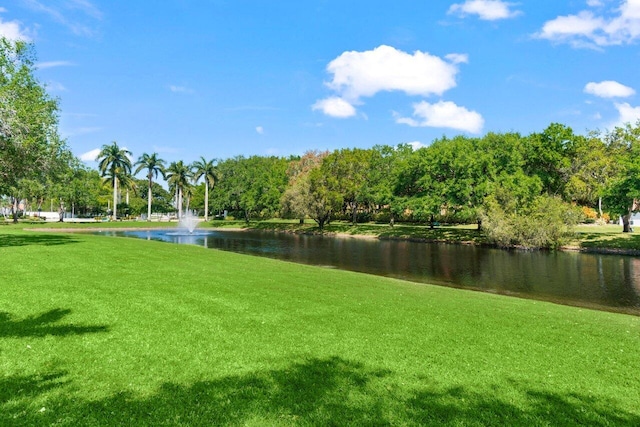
607	282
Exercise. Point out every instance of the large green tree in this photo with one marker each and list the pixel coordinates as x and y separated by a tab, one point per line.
114	165
154	166
296	200
30	147
346	173
622	195
253	185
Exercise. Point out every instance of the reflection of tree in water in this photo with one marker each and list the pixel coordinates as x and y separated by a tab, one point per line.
625	291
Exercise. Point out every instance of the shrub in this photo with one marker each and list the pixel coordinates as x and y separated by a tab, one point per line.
546	223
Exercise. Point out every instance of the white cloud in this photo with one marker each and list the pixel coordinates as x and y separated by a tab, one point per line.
609	89
90	156
488	10
260	130
180	89
628	114
55	87
444	114
416	145
13	30
66	13
586	29
458	58
594	3
363	74
52	64
335	107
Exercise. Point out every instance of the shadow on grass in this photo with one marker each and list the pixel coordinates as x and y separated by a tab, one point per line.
457	406
9	240
43	325
328	392
618	241
19	387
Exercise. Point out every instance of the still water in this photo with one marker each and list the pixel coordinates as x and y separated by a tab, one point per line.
607	282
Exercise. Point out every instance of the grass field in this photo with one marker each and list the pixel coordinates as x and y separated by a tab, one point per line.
114	331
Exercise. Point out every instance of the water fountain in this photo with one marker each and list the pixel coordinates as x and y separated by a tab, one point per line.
188	222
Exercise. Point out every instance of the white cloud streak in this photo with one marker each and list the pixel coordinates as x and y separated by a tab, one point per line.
586	29
487	10
609	89
66	13
443	114
53	64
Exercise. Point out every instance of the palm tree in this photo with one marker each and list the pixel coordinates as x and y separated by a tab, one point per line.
114	165
178	175
154	165
207	169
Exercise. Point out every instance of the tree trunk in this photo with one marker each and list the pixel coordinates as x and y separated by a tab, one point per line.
392	220
431	226
61	212
355	213
626	227
14	210
321	222
479	224
115	199
206	202
301	221
149	201
600	206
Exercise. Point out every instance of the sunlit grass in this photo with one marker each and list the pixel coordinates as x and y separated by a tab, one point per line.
114	331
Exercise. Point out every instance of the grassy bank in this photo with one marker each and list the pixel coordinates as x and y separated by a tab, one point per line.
110	331
587	237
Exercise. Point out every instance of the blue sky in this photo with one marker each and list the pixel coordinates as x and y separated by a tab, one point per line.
215	78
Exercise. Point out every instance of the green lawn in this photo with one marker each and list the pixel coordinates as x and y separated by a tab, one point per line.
113	331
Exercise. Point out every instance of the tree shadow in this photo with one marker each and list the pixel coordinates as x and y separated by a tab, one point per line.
11	240
457	406
43	325
329	392
625	242
19	387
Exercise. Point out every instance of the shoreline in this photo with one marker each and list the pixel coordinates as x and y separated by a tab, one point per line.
568	248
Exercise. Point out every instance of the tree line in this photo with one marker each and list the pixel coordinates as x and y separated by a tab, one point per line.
519	189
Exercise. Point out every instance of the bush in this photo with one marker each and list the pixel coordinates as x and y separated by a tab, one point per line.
547	223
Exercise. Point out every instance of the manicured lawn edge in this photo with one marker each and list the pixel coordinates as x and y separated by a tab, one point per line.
110	331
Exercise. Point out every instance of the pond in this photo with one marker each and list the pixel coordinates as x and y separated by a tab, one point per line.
606	282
